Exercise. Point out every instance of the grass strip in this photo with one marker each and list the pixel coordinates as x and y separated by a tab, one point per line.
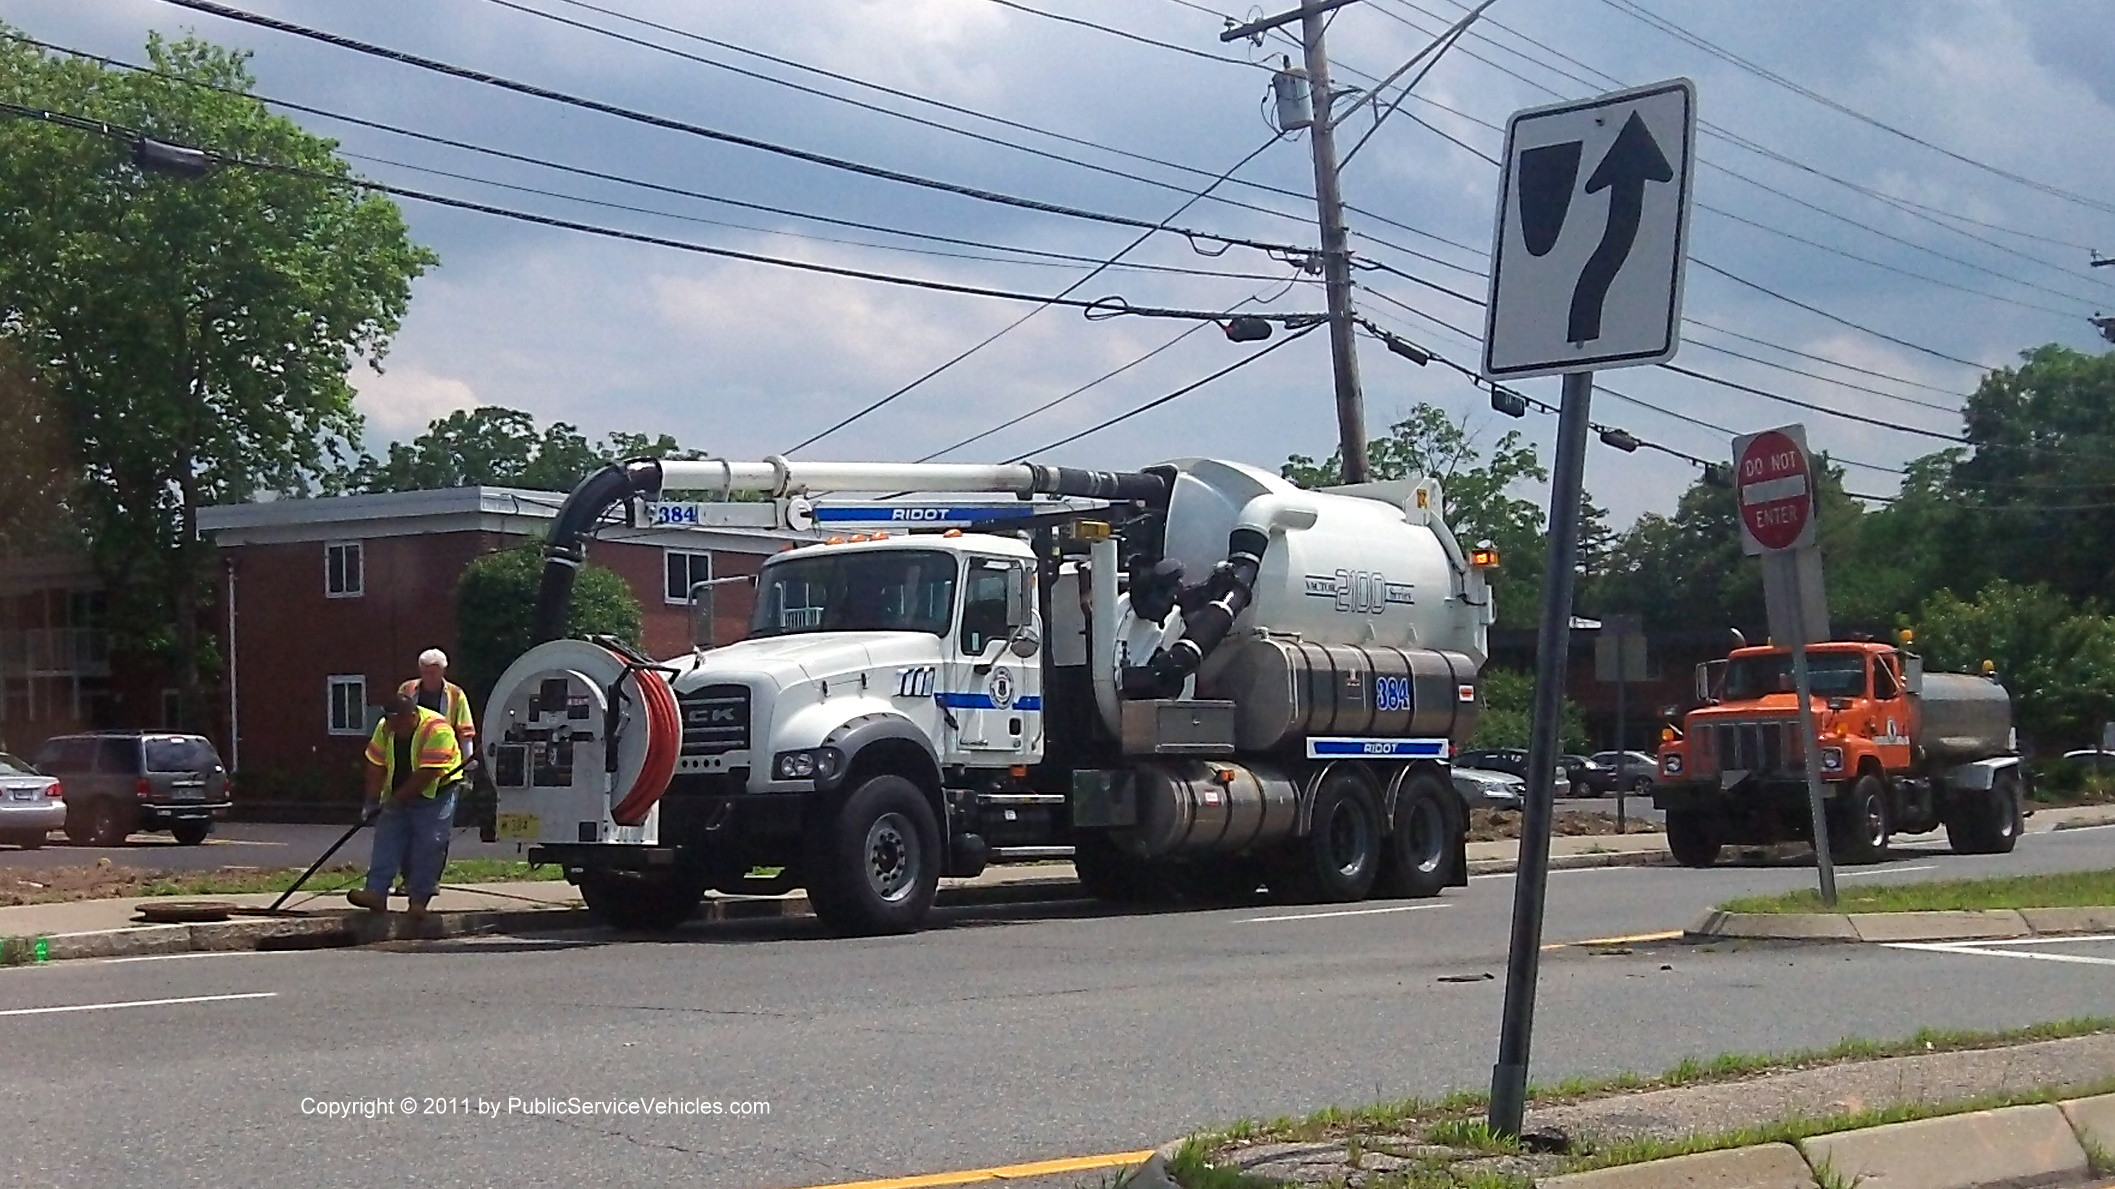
2070	889
1398	1117
334	878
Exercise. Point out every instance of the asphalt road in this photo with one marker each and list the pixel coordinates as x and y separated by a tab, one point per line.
1001	1036
232	844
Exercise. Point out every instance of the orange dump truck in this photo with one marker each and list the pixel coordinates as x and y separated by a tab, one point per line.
1902	752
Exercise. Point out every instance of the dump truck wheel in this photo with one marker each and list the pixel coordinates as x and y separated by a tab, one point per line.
1423	840
1989	823
1691	839
1340	857
1860	823
877	866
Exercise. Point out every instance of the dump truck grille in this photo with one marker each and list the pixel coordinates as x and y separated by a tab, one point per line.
1764	746
715	720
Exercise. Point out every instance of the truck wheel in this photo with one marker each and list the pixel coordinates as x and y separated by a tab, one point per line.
101	823
191	833
1987	824
877	864
1425	837
1691	839
1337	861
1859	822
640	902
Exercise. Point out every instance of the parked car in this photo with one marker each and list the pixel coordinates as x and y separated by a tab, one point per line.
1588	779
1634	771
121	781
1515	761
32	804
1487	788
2091	759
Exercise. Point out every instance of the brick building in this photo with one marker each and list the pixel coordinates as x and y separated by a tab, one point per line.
325	605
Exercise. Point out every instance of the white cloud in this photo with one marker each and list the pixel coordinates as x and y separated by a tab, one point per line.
401	401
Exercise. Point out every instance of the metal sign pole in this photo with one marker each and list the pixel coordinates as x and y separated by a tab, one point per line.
1552	651
1810	740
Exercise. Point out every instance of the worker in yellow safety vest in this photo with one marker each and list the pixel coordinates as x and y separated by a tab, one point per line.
414	766
435	692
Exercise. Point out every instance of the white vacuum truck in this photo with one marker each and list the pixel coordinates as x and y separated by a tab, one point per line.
1196	680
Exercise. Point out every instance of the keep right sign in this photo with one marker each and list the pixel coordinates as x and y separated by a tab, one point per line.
1773	483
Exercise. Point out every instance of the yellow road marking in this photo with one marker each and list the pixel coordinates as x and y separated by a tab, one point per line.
1004	1172
1669	935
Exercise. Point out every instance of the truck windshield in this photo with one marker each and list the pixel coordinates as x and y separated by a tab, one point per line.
1833	674
885	590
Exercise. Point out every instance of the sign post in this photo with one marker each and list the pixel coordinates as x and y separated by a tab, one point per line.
1584	275
1619	659
1773	486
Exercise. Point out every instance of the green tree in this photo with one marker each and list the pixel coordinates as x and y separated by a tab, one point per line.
194	334
502	447
2056	659
36	472
1508	713
495	607
1480	492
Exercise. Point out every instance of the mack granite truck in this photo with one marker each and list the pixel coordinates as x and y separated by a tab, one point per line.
1194	680
1902	751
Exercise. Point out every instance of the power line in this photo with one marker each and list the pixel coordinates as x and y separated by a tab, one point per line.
1848	416
714	134
1670	28
1916	210
1107	307
1155	403
1126	34
995	336
1836	318
1849	367
1061	258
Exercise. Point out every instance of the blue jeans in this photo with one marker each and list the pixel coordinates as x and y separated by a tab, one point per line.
413	839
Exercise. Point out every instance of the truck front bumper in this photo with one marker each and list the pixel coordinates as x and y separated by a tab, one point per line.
1757	811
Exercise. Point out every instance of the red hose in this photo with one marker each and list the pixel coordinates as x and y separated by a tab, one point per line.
664	742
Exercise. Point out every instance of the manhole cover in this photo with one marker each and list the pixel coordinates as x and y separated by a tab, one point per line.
186	912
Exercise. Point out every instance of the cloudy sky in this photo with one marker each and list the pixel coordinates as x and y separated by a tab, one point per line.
1939	259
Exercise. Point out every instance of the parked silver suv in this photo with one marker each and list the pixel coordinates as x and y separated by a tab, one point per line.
121	781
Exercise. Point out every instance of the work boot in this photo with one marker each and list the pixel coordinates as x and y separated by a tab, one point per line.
418	909
371	901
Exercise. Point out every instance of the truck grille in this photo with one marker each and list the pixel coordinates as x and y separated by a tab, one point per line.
715	720
1766	746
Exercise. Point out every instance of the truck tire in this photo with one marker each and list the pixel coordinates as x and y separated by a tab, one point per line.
1423	840
1988	823
1691	838
654	903
1338	860
1860	822
876	864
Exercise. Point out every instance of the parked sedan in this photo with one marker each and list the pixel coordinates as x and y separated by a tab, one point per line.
1634	771
31	803
1484	788
1514	760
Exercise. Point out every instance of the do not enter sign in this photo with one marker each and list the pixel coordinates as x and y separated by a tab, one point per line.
1773	481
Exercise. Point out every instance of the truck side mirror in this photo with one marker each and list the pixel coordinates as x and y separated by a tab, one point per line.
1020	600
1913	674
703	632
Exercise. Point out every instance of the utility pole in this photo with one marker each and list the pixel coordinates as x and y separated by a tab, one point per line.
1329	216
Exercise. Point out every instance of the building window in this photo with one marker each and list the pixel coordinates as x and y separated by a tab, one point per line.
348	705
684	571
344	570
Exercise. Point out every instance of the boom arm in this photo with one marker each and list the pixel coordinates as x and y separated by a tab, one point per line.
776	476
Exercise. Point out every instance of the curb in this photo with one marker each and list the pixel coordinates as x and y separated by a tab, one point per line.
345	929
1996	924
1636	858
337	930
2051	1143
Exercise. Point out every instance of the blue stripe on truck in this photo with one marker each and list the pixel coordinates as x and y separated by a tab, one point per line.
1340	747
984	702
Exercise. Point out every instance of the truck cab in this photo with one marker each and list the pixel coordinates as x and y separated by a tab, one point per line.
1901	751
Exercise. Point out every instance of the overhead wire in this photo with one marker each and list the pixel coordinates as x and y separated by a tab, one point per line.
995	336
1107	307
714	134
1668	27
1062	258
